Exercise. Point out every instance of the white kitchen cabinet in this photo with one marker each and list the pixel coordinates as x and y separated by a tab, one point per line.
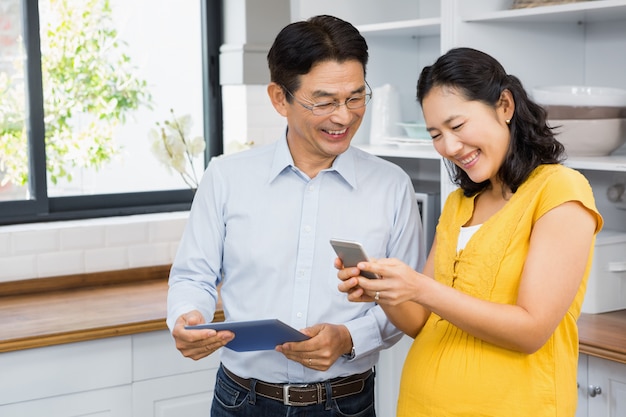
573	43
602	388
188	394
581	410
142	375
165	383
88	378
106	402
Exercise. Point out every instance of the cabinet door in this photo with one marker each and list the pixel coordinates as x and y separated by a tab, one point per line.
606	388
582	410
159	348
65	369
177	386
109	402
188	395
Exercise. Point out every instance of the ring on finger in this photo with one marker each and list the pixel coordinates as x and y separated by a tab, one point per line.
377	296
310	361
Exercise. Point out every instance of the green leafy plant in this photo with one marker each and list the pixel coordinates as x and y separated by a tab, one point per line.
89	88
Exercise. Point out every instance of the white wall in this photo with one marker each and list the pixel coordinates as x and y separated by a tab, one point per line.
249	116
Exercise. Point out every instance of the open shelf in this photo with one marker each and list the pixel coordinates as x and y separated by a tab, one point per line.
421	152
598	163
616	162
587	11
403	28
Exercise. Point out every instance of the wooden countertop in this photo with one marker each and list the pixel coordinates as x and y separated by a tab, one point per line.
52	311
603	335
76	308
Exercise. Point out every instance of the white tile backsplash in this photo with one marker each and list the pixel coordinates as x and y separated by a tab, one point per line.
63	248
5	244
13	268
35	241
148	254
126	234
106	259
61	262
169	231
82	237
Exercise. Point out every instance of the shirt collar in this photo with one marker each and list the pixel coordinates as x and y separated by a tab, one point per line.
344	164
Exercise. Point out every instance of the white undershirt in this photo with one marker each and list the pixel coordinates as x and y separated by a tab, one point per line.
465	235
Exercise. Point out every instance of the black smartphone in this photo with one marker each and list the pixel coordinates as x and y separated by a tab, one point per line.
351	253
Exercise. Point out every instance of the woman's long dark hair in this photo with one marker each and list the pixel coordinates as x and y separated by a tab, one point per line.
479	77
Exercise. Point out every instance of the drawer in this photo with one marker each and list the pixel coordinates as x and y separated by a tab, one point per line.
155	355
64	369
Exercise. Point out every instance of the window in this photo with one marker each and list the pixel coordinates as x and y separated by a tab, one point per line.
88	89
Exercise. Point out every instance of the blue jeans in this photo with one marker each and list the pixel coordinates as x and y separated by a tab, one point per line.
231	400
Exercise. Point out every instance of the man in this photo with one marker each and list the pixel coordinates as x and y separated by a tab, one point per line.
261	223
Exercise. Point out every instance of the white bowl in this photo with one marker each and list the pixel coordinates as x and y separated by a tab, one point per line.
415	130
580	95
590	137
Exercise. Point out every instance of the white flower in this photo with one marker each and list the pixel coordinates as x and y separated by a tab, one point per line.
236	146
196	146
172	146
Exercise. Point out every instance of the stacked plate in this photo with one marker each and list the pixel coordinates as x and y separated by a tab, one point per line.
590	121
416	136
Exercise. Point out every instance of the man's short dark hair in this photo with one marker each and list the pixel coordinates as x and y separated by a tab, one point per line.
301	45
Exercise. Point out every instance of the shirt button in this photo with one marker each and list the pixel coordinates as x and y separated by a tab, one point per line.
299	315
311	188
307	229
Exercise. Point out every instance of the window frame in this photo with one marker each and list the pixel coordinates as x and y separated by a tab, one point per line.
40	207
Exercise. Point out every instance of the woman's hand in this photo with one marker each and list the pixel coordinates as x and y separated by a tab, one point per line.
396	290
398	282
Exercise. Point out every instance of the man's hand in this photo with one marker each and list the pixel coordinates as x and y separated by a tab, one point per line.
327	343
197	344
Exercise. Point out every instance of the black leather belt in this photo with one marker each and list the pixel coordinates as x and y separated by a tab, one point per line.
304	394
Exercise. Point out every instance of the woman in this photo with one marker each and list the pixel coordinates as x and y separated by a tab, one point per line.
494	312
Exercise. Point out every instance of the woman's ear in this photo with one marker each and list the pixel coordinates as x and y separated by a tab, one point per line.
277	96
506	105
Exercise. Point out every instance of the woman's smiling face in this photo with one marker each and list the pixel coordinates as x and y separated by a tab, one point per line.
471	134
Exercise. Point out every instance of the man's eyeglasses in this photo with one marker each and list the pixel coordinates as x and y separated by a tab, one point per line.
327	107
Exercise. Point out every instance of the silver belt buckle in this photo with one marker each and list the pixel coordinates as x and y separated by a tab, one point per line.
286	387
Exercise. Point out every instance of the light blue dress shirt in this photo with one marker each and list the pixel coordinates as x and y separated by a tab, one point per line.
262	227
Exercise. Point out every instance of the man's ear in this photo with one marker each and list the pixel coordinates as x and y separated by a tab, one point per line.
278	98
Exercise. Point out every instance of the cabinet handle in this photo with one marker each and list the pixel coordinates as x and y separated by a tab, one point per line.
593	390
617	266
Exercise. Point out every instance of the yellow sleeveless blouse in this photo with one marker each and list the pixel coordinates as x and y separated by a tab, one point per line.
448	372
